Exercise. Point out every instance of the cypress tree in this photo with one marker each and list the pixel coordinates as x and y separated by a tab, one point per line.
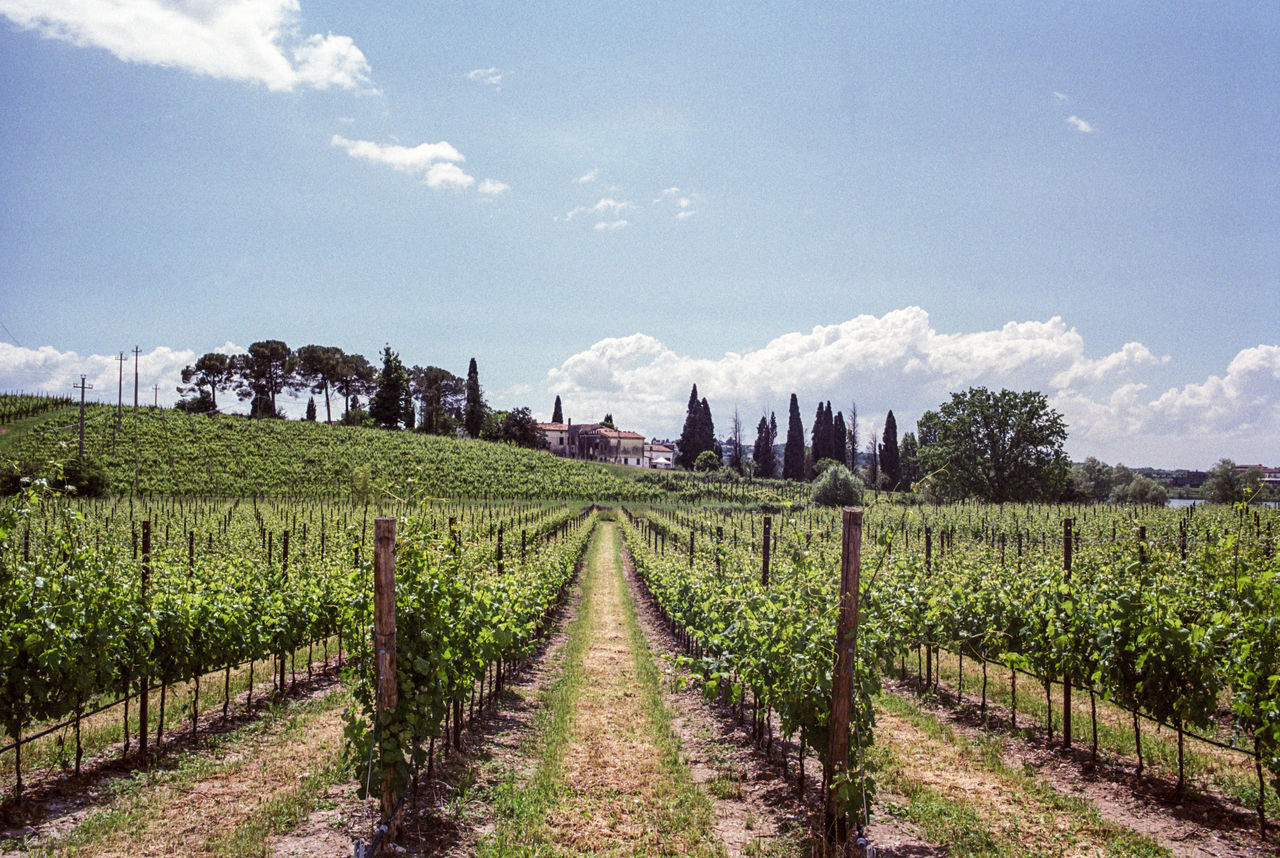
818	434
387	406
557	413
473	412
839	440
706	430
689	434
890	460
762	452
793	455
311	409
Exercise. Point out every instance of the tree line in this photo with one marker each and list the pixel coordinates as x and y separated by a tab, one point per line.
428	399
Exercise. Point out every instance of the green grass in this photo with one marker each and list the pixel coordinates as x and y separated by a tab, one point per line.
233	456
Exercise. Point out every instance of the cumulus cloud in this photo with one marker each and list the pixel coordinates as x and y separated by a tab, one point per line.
491	76
682	202
493	187
437	163
900	361
588	177
1079	124
606	206
255	41
48	370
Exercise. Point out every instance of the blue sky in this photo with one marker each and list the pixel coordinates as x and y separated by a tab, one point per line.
870	202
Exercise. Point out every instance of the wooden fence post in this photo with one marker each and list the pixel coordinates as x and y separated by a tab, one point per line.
842	690
764	564
1066	673
142	598
384	646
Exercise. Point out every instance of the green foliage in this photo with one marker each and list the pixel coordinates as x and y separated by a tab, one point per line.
557	412
475	409
793	456
836	486
518	427
1224	484
698	434
762	453
999	447
707	461
1140	490
890	456
387	407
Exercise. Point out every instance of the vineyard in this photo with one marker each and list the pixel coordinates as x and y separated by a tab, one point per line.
135	629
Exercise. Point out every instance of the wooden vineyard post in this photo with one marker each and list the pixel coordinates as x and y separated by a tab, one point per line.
384	645
1066	672
142	599
842	690
764	563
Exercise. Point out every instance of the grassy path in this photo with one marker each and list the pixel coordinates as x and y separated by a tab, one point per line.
610	776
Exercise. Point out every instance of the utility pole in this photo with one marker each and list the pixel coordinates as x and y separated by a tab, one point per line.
82	387
120	391
136	351
156	387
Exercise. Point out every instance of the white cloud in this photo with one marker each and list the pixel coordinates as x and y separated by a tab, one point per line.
610	226
242	40
588	177
682	202
47	370
1079	124
491	76
435	162
685	214
1061	96
608	205
493	187
900	361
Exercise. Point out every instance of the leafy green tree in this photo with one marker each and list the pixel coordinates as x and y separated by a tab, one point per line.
442	397
707	462
355	378
320	368
1092	480
608	421
793	455
762	452
836	486
387	406
211	373
311	409
557	413
890	457
1140	490
1004	446
518	427
911	471
268	368
820	435
474	411
1225	483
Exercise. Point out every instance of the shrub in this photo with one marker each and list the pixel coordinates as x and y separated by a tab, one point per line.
836	487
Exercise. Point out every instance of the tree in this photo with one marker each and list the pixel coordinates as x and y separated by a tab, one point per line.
268	368
873	463
1140	490
387	407
608	421
1092	480
820	437
518	427
890	460
735	435
320	367
355	378
695	437
999	447
762	452
839	440
1225	484
707	462
853	436
557	413
208	375
793	455
311	409
473	413
707	431
442	396
836	486
911	471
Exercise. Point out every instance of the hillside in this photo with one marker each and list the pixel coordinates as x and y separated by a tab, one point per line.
229	455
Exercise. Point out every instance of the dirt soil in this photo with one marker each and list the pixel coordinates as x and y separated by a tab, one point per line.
1200	824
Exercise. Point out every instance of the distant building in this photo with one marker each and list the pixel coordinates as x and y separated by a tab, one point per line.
660	457
1270	476
595	442
557	435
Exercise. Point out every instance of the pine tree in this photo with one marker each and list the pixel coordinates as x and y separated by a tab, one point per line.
793	455
839	440
890	460
762	453
557	413
474	411
387	407
311	409
688	443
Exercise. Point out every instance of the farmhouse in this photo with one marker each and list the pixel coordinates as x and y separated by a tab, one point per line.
597	442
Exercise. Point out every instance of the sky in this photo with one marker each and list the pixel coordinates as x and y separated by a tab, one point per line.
875	204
